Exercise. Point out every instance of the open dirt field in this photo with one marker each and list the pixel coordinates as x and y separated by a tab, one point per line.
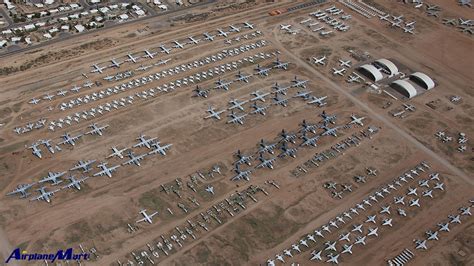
203	228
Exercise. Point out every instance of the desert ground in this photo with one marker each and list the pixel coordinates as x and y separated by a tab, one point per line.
96	216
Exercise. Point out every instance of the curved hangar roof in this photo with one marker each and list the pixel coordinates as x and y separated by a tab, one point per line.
424	79
373	71
387	64
404	87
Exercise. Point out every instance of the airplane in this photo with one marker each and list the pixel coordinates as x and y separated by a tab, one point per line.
22	189
164	49
97	69
287	151
193	40
399	200
222	84
408	30
333	259
303	94
316	255
328	118
354	78
241	174
320	60
208	36
265	162
358	228
84	165
134	159
324	33
296	247
278	89
412	191
236	104
198	92
360	240
75	88
234	28
131	58
465	211
385	209
371	218
236	118
266	147
210	189
347	249
288	253
277	100
44	195
428	193
384	17
70	140
330	131
117	152
318	100
287	137
455	218
467	22
360	179
222	33
36	151
439	186
346	236
387	222
345	64
311	238
115	63
52	177
309	141
146	217
48	97
285	27
34	101
330	245
415	202
421	244
432	235
339	72
402	212
262	71
149	54
243	158
75	183
371	171
160	149
243	77
213	113
318	233
357	120
258	96
248	25
106	170
444	227
178	44
299	83
280	65
142	141
96	129
259	109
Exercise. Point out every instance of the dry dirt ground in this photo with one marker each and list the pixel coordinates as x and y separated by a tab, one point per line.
98	214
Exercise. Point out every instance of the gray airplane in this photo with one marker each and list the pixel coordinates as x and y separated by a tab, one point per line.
21	189
262	71
36	151
44	195
161	149
134	159
259	109
265	162
286	151
117	152
243	77
277	100
213	113
317	100
67	139
144	142
243	159
299	83
236	119
96	129
84	165
53	177
258	96
279	64
264	147
330	131
106	170
75	183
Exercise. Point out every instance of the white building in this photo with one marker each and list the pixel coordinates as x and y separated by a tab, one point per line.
79	28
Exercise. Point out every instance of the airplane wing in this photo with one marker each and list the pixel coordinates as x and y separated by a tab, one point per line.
141	220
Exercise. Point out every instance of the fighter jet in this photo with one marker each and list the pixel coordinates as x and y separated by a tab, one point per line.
143	141
213	113
44	195
399	200
262	71
75	183
357	120
134	159
106	170
146	217
258	96
210	189
96	129
158	148
84	165
53	177
21	189
70	140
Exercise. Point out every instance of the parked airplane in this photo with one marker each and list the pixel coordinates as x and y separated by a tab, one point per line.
115	63
309	141
236	104
345	63
164	49
318	100
198	92
248	25
246	159
75	183
70	140
455	219
415	202
243	77
241	174
316	255
280	64
443	227
357	120
360	240
259	109
52	177
339	72
387	222
333	258
258	96
277	100
278	89
208	36
84	165
262	71
160	149
330	131
303	94
210	189
432	235
96	129
146	217
285	27
22	189
213	113
117	152
265	162
222	84
299	83
234	28
149	54
193	40
131	58
178	45
36	151
97	69
287	151
134	159
421	244
264	147
106	170
44	195
222	33
144	142
236	118
320	60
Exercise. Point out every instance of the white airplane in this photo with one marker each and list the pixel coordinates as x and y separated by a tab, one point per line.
146	217
285	27
439	186
278	89
354	78
385	209
236	118
52	177
134	159
444	227
160	149
178	45
339	72
371	218
432	235
332	258
117	152
162	62
234	28
316	255
223	84
237	104
345	237
84	165
34	101
131	58
208	36
241	174
320	60
142	141
149	54
408	30
95	129
259	109
76	88
421	244
75	183
115	63
330	245
36	151
248	25
193	40
343	63
210	189
360	240
455	218
106	170
22	189
70	140
44	195
387	222
357	228
357	120
415	202
97	68
318	100
213	113
325	33
164	49
465	211
222	33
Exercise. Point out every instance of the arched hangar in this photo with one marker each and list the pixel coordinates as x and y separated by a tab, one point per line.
371	71
387	65
423	80
404	87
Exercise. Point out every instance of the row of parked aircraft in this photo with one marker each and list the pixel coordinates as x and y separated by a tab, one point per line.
149	54
397	21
